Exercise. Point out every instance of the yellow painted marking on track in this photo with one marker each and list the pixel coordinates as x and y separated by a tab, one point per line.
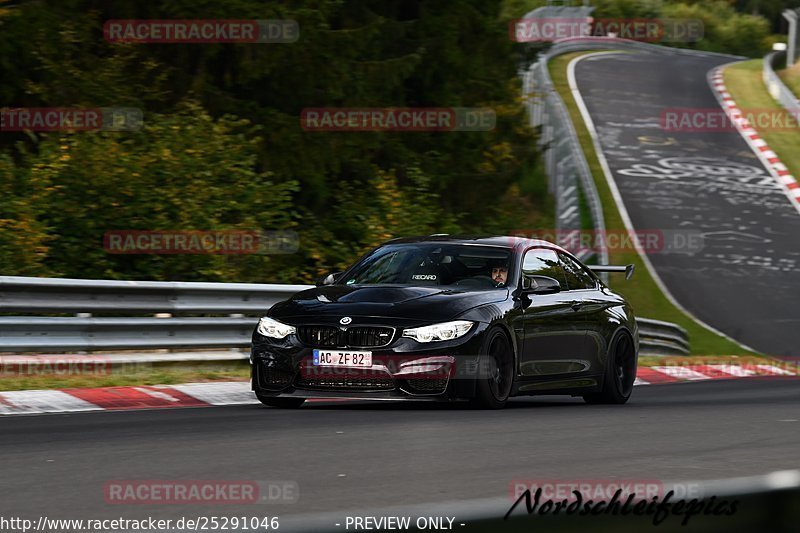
657	141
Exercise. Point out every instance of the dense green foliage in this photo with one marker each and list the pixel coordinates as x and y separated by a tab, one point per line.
222	147
741	27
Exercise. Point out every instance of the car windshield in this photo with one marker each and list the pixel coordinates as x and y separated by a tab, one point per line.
454	265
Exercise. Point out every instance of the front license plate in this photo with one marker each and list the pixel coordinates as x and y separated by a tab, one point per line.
342	358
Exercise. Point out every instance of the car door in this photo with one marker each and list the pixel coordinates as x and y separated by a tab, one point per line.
588	306
552	344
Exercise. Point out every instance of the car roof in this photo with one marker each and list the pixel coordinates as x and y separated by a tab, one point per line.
506	241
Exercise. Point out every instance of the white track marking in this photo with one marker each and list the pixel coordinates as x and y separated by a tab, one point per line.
680	372
224	393
733	370
42	401
776	370
157	394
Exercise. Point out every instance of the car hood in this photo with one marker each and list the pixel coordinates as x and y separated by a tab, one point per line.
419	304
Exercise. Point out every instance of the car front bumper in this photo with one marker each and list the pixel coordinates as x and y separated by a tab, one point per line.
405	369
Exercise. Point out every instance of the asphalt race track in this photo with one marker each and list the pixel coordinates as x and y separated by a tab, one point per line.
380	454
745	277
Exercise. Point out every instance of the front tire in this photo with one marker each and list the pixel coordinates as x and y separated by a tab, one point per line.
495	372
619	375
280	403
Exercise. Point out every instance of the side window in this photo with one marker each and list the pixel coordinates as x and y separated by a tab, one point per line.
543	262
577	277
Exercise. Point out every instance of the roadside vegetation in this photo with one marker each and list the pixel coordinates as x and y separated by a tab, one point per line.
222	146
746	28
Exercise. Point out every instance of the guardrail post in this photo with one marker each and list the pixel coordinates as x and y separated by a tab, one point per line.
791	16
82	315
236	315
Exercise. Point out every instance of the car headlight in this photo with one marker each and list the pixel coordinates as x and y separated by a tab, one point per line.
445	331
274	329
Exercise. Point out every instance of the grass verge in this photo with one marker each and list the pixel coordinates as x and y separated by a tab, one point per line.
791	77
744	82
641	291
140	375
734	360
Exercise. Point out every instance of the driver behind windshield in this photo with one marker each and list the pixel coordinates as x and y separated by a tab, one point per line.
499	274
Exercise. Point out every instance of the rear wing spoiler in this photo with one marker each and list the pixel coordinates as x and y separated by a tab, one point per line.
628	269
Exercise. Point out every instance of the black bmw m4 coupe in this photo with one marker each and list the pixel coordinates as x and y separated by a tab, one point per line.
451	318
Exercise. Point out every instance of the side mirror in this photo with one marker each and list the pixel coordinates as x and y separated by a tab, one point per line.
532	284
327	280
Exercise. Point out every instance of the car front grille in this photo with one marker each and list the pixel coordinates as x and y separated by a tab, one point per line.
355	337
345	383
272	378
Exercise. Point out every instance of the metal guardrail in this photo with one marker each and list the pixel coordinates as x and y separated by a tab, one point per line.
662	338
61	295
777	89
61	334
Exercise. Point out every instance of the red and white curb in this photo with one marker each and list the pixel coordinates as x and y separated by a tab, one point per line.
648	375
130	398
770	159
239	393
